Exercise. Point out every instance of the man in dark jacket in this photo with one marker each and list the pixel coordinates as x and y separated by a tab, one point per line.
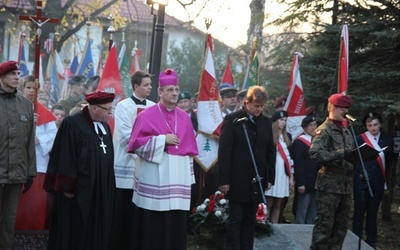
236	169
17	148
377	171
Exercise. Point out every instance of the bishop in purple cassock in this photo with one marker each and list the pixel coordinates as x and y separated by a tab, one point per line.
164	139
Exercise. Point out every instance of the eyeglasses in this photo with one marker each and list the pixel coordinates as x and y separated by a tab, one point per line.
108	109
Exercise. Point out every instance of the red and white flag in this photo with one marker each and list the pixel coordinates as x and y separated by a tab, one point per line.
343	61
295	104
209	114
110	80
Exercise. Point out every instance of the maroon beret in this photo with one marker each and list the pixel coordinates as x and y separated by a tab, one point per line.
280	102
168	77
99	98
8	66
340	100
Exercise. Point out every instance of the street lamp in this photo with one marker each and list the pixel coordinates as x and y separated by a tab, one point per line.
156	48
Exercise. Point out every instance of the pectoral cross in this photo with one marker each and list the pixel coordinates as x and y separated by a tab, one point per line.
102	145
39	20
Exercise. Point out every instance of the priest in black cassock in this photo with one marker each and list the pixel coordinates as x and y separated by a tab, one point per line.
80	175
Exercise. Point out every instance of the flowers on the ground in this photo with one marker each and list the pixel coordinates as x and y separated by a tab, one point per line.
212	215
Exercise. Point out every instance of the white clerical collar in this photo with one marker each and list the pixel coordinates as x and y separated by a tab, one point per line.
98	125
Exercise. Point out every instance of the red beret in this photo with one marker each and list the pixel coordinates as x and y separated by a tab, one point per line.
168	77
340	100
7	67
280	102
99	98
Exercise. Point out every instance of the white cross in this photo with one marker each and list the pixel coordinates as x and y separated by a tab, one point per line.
103	146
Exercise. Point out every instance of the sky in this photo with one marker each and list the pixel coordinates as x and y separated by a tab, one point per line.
230	18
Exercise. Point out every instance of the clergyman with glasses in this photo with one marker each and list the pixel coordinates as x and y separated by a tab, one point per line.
80	176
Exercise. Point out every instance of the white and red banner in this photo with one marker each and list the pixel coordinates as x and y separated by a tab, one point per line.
295	104
343	61
209	114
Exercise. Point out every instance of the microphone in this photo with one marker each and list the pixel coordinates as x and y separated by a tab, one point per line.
238	121
350	118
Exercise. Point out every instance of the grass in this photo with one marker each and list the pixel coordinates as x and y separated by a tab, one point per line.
388	232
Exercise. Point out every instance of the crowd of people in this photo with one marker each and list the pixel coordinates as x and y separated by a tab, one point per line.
63	168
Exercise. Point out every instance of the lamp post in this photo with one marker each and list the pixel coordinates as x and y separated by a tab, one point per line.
157	43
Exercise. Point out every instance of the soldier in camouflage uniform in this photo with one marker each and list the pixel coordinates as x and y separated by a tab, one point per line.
331	145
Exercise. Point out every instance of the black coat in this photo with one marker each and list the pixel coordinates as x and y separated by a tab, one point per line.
305	170
79	166
235	163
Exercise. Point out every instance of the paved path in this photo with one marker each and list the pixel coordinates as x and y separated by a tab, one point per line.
298	237
284	237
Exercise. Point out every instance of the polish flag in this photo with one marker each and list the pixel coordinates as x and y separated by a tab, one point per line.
209	114
295	104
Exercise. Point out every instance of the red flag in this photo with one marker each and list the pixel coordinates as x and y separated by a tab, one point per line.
110	80
45	115
343	61
295	104
209	114
227	77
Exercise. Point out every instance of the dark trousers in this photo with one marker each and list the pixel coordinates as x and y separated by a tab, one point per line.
161	230
240	228
9	196
123	219
365	204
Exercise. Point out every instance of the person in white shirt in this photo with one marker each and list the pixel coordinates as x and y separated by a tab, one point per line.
124	163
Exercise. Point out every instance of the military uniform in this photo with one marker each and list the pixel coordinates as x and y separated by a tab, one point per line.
334	184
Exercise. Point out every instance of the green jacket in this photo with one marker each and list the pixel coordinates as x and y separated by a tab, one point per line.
17	136
327	147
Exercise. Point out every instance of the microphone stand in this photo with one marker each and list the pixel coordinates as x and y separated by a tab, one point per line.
365	179
258	178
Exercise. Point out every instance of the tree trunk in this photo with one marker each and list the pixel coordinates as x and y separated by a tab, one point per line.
256	25
386	204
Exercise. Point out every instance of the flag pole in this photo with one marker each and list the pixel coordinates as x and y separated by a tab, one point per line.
202	173
111	31
253	53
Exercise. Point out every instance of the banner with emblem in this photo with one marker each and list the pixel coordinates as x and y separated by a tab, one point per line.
209	114
295	104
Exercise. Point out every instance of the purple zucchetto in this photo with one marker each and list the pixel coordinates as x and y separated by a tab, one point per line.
168	78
